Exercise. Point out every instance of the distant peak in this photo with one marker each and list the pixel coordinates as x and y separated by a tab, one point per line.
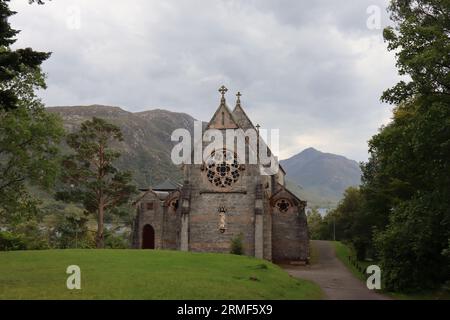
311	150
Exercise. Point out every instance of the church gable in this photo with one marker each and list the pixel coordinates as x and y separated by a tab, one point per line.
223	118
240	116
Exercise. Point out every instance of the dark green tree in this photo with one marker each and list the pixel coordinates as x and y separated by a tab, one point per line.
29	136
14	62
89	174
421	42
29	147
406	183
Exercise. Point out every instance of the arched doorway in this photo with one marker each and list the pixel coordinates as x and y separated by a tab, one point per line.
148	237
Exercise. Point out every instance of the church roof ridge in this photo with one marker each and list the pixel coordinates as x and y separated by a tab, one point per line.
167	184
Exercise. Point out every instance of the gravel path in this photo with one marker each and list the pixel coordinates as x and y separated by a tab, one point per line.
337	282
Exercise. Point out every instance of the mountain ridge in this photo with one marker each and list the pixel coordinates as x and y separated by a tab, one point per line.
147	146
321	173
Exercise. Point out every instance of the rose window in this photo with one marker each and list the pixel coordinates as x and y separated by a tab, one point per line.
283	205
222	168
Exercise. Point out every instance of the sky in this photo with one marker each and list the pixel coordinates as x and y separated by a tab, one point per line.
313	69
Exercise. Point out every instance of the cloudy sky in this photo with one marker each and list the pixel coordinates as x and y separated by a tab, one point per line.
313	69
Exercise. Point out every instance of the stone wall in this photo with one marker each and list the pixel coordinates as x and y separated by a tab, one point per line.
239	203
172	222
289	235
153	217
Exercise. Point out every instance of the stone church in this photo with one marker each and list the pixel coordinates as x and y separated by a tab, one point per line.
220	201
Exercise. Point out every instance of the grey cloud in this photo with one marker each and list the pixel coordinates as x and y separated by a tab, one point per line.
310	68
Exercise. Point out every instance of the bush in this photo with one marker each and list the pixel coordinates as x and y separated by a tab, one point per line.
71	229
10	241
236	245
33	235
117	241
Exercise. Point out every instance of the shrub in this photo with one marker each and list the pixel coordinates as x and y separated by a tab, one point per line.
117	241
10	241
236	245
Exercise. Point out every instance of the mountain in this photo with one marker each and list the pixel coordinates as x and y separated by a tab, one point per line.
322	177
147	145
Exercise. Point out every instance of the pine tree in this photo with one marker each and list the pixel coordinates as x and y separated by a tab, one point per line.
90	176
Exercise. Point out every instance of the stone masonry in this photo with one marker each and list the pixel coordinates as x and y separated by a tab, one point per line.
219	202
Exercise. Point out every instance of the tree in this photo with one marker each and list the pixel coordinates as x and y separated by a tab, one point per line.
29	136
29	147
14	62
406	185
71	228
407	188
315	224
90	176
421	42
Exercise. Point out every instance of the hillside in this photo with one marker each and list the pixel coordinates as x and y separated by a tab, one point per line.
146	147
323	177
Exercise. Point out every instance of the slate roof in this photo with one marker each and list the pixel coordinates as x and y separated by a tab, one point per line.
167	185
293	188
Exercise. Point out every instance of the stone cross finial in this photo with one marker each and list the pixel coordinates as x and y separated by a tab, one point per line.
223	90
238	101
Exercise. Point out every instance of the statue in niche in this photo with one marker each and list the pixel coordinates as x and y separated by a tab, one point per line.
222	222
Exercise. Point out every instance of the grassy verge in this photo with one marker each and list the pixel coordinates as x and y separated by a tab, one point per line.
146	274
343	252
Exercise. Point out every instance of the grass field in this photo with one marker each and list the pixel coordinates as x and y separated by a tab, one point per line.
149	274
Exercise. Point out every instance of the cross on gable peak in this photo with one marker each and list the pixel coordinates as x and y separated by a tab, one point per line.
238	100
223	90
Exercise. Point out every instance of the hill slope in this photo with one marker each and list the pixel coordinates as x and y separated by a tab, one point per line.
146	147
323	177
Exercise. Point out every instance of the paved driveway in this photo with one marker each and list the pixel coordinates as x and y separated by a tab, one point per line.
337	282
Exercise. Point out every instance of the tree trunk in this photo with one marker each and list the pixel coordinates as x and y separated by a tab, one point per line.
99	240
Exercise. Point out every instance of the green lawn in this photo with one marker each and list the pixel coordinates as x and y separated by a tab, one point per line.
149	274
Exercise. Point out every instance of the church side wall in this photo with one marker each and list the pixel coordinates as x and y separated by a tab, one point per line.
289	235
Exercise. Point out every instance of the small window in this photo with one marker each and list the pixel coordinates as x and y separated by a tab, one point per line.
283	205
149	205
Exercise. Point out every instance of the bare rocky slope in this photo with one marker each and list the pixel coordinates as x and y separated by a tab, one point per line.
146	146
